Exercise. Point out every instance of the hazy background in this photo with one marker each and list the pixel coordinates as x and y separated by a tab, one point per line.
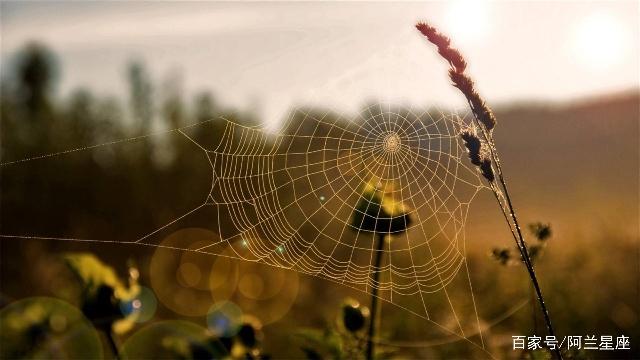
563	78
269	56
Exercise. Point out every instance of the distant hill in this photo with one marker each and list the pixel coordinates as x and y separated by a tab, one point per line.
575	164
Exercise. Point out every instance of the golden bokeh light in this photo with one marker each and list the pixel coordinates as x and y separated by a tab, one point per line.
190	283
189	274
167	340
263	292
180	278
69	335
251	286
224	319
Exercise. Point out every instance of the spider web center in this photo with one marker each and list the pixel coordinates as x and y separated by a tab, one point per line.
391	143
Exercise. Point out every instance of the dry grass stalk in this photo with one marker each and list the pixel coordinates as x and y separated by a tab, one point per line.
482	151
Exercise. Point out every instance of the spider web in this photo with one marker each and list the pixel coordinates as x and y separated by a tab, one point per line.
311	177
289	199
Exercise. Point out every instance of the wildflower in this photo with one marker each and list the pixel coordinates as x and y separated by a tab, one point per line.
247	335
354	316
103	292
380	213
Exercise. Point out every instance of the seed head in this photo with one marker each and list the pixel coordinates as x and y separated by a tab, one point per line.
380	213
433	35
454	58
473	145
486	117
541	231
486	170
535	251
462	82
502	255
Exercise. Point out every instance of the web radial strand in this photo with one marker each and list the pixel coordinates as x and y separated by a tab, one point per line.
290	198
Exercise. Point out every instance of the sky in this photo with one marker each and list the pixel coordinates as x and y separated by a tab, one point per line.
269	56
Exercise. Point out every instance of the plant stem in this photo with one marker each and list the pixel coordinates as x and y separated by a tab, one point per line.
374	297
517	235
529	265
465	85
112	344
534	311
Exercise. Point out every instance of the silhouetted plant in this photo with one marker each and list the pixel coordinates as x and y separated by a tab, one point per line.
354	317
482	150
345	338
104	295
541	232
342	339
246	344
379	213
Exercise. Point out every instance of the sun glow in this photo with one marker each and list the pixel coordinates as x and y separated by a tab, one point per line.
599	41
467	20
